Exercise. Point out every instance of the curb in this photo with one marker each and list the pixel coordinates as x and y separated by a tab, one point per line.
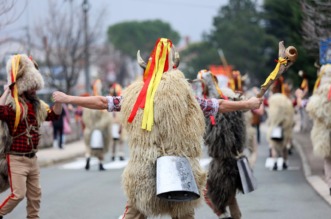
51	162
318	184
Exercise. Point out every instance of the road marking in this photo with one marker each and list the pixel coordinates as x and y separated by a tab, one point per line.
80	163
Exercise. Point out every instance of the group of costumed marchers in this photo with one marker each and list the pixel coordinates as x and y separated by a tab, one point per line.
280	123
97	131
225	138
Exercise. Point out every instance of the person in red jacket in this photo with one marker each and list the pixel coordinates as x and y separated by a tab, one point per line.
21	114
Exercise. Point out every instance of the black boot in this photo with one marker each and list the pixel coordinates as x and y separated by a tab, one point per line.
121	158
275	166
113	158
285	166
101	168
87	166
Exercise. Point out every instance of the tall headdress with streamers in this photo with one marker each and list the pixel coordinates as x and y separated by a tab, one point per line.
158	63
22	75
201	76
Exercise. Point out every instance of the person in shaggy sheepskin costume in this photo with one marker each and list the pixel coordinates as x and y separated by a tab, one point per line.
162	117
280	115
225	138
96	120
319	109
21	114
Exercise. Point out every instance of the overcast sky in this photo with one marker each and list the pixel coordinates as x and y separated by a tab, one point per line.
188	17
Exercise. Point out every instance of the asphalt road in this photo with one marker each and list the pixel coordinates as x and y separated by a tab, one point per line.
70	192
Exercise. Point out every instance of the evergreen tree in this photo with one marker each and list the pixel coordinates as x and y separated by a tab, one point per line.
283	19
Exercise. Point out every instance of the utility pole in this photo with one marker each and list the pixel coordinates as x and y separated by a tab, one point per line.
86	6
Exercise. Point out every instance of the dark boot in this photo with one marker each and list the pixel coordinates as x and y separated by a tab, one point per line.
285	166
275	166
87	166
121	158
101	168
113	158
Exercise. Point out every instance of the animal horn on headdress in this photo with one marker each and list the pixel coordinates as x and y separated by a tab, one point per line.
140	61
176	56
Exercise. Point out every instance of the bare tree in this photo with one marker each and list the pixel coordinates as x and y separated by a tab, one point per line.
6	7
62	37
8	15
316	23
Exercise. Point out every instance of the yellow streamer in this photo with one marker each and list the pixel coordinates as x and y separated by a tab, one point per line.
274	73
15	66
148	116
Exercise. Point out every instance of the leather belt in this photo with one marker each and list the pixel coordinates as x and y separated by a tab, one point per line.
29	155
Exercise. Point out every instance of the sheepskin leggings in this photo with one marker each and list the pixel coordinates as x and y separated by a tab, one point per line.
132	213
327	170
24	181
233	206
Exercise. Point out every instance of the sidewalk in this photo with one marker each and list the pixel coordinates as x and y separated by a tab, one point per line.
313	167
51	156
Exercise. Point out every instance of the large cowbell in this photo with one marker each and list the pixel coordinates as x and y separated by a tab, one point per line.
96	141
277	133
175	180
247	178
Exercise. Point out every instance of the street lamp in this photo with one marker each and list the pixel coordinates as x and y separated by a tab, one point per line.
86	7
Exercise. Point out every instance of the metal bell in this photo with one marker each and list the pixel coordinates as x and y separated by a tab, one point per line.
175	180
96	141
247	179
277	133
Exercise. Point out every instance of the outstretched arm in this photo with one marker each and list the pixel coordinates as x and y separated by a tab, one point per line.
229	106
92	102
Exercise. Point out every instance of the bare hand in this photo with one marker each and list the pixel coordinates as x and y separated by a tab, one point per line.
254	102
60	97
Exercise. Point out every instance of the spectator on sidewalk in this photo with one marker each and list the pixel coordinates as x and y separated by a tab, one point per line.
61	127
21	114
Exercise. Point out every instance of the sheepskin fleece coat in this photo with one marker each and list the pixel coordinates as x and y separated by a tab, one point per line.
319	109
5	142
250	131
225	141
177	130
281	113
97	119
